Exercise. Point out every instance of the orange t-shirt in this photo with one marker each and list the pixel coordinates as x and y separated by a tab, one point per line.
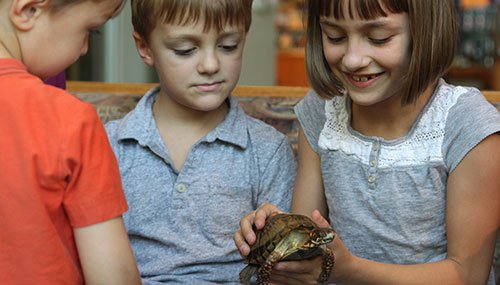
57	172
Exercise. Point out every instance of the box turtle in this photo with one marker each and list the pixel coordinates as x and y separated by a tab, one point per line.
287	237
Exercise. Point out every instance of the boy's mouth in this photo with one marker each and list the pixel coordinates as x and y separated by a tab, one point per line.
209	87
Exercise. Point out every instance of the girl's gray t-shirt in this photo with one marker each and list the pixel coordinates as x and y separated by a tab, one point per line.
387	199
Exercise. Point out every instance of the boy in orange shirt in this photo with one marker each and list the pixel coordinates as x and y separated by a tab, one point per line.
61	196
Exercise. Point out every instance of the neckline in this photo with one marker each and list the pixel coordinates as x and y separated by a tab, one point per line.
407	136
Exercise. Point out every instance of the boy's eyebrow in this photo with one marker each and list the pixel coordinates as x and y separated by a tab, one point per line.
195	38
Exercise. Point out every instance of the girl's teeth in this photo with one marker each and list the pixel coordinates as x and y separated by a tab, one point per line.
362	78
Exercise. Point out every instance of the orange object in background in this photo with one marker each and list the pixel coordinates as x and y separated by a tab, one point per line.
474	4
291	68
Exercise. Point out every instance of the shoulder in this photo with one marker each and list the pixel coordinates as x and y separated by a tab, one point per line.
58	108
312	101
467	118
36	95
465	107
263	135
136	123
112	128
264	142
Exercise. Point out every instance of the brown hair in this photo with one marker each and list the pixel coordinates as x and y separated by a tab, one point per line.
146	14
433	32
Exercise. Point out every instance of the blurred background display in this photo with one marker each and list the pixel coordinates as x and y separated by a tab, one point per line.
277	36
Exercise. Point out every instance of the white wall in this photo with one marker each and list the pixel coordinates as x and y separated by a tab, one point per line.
260	49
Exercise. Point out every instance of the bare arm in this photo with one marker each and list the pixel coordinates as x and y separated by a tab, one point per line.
308	193
473	219
105	254
473	210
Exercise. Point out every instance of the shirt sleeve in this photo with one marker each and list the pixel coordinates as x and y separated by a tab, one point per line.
311	114
94	191
470	121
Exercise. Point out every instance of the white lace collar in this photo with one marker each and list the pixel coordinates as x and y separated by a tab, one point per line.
421	145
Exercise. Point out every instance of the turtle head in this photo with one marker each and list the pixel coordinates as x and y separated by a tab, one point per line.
321	236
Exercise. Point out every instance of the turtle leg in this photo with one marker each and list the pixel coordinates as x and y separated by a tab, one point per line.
264	273
328	263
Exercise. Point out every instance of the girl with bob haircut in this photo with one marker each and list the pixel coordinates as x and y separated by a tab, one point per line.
404	165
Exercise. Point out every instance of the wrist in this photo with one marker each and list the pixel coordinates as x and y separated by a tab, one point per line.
346	264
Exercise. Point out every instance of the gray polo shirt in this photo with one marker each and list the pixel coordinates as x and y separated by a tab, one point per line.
387	198
181	223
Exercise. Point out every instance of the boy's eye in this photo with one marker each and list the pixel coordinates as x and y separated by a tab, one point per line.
229	47
184	52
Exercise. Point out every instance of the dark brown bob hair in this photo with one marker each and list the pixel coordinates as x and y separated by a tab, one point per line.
433	32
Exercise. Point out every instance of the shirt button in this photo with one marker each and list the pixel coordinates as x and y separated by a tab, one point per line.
373	163
181	188
371	178
375	146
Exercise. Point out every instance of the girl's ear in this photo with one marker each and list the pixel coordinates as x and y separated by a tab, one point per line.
23	13
143	49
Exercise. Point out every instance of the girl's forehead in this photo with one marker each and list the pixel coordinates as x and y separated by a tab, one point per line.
359	9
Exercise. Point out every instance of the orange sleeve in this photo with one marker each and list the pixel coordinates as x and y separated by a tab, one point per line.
94	191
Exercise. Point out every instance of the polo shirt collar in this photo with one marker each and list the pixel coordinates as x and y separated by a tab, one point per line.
140	125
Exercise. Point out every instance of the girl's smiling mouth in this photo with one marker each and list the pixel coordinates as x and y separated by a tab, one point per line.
363	81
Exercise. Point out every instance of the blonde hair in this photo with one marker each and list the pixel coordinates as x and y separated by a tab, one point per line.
433	33
57	5
146	14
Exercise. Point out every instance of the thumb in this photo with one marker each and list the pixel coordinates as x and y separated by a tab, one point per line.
319	220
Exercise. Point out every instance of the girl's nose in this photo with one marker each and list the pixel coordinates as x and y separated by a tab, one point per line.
209	63
355	56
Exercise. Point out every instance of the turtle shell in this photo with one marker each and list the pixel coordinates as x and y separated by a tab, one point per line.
275	230
284	237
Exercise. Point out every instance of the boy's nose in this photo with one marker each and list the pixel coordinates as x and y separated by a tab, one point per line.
209	63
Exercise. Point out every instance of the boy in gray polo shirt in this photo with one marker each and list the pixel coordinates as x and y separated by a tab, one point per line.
192	162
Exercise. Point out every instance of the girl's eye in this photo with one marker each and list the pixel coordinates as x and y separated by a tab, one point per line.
380	41
335	40
184	52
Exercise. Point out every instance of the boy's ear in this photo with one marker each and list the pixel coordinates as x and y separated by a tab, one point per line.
143	49
23	13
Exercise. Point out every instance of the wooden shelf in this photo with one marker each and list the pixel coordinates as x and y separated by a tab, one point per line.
490	76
